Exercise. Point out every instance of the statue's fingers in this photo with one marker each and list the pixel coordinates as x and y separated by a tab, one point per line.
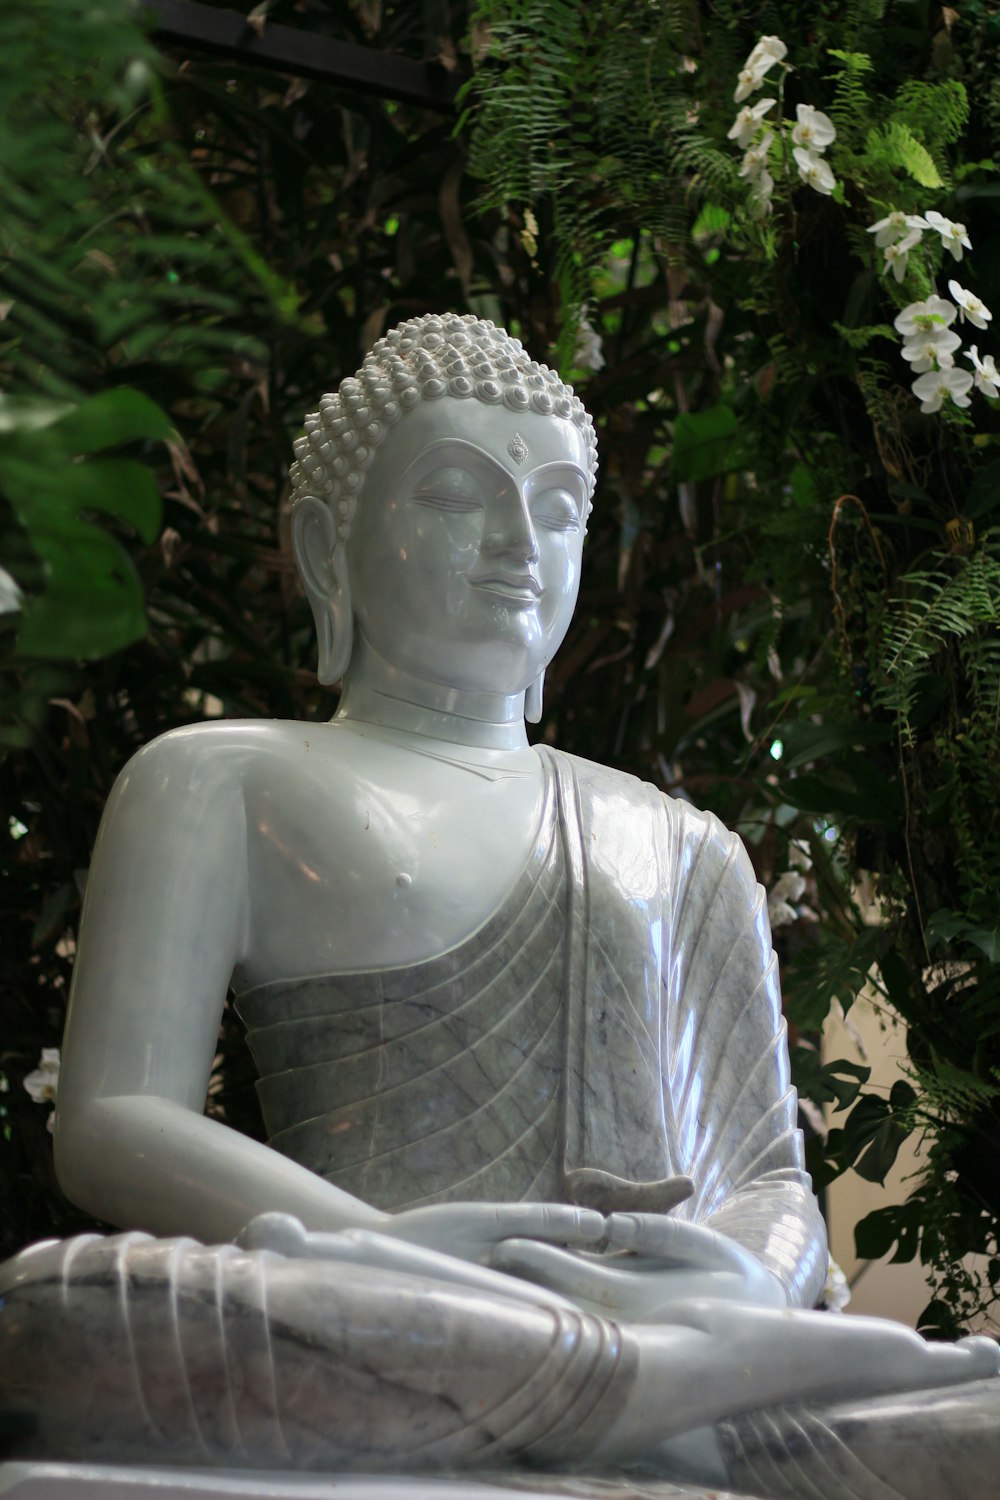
555	1269
280	1232
673	1241
983	1353
554	1223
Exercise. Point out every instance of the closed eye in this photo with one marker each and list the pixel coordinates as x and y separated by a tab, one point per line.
556	510
450	488
454	503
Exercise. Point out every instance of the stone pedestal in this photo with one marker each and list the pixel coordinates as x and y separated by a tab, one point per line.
63	1481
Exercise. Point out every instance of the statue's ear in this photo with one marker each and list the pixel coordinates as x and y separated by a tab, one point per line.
322	562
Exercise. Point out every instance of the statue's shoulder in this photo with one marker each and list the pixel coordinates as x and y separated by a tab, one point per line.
684	832
201	758
596	780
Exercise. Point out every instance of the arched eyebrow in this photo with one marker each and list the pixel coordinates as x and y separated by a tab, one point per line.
544	471
559	466
479	455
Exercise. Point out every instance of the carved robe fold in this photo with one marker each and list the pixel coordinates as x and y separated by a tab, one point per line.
614	1024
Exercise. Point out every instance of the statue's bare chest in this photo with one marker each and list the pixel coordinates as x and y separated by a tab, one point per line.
363	855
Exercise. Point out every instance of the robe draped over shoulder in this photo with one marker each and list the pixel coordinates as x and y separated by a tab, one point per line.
677	1061
615	1024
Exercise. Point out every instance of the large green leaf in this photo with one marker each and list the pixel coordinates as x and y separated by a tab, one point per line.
875	1130
805	742
108	420
93	601
839	796
837	1083
898	1224
951	926
706	443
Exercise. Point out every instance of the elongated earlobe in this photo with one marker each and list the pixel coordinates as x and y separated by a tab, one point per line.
322	563
533	699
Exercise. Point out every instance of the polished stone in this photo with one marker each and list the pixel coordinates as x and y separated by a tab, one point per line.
534	1202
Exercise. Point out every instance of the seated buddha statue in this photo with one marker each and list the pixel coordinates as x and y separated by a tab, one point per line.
533	1194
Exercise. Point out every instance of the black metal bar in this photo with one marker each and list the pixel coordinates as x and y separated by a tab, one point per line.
305	53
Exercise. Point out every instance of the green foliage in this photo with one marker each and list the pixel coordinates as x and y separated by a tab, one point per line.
849	106
804	578
93	602
705	443
942	606
567	100
835	1083
112	246
899	149
933	112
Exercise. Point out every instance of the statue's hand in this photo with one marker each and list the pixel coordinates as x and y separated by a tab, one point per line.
284	1235
652	1265
472	1231
695	1249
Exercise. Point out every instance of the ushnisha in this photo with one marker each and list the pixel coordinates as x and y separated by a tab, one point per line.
423	359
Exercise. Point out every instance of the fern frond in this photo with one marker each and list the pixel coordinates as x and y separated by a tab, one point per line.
936	112
899	149
849	108
938	609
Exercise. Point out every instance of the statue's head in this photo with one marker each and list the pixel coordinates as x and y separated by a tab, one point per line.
441	495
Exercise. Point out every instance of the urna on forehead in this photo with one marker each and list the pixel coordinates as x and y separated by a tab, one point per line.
424	359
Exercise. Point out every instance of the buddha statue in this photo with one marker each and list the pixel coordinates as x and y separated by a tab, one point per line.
533	1197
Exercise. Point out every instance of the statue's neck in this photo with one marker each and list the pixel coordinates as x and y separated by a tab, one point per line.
377	693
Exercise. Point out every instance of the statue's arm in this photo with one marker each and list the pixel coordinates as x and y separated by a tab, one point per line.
736	1099
778	1220
165	921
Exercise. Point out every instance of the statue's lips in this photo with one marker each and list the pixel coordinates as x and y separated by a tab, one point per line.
518	588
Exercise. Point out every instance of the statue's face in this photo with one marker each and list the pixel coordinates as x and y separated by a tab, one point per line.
464	556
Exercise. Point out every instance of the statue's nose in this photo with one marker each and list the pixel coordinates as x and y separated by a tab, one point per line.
510	534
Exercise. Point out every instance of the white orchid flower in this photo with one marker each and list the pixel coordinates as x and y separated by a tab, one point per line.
765	53
969	306
749	121
747	83
43	1083
933	388
768	51
896	226
921	317
787	889
953	236
589	351
755	160
799	857
837	1292
987	376
814	171
934	350
897	256
815	130
760	198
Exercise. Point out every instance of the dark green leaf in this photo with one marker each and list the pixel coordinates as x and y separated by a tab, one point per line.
827	1083
110	419
835	798
805	742
706	443
876	1233
872	1138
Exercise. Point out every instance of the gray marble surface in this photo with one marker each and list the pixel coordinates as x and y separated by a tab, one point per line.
60	1481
